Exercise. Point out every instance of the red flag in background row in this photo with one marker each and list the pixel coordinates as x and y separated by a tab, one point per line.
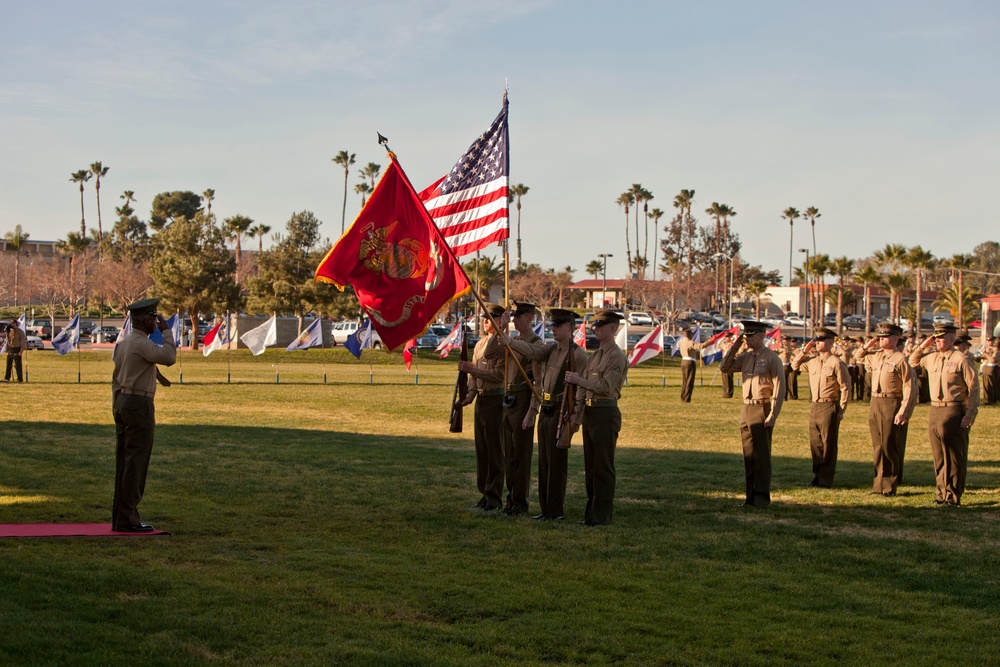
580	335
400	266
469	204
773	338
408	350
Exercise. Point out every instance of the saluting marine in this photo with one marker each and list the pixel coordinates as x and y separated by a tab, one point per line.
829	391
954	388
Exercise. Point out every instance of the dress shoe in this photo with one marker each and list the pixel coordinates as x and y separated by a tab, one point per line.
874	493
540	517
495	508
141	528
556	518
938	501
746	503
888	494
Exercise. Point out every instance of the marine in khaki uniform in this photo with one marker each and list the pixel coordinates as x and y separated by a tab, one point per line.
550	371
894	393
16	342
954	388
133	386
763	395
848	352
597	410
989	359
486	388
727	378
829	391
687	348
516	432
785	353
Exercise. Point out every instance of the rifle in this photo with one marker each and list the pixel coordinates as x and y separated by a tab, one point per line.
461	389
564	432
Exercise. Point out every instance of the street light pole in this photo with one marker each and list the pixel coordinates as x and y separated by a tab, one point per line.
604	287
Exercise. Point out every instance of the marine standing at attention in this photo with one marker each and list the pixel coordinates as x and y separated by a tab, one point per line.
829	392
550	380
133	386
517	437
954	389
597	409
486	388
763	394
688	364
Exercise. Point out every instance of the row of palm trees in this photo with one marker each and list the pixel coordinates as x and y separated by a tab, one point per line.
98	171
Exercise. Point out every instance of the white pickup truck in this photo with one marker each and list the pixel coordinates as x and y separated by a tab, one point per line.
341	331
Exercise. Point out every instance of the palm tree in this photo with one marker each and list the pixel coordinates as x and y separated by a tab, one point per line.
655	214
961	304
756	289
99	171
683	202
819	266
16	239
895	282
639	265
594	268
235	228
918	259
890	258
867	277
960	263
81	177
811	214
128	196
371	172
208	196
625	199
260	231
790	214
72	246
345	160
841	267
515	194
363	189
643	196
561	280
486	271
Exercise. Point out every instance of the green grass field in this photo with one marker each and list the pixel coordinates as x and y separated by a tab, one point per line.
326	524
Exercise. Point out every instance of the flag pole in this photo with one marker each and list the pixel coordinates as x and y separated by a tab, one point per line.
180	362
229	345
663	365
322	342
78	363
274	315
24	316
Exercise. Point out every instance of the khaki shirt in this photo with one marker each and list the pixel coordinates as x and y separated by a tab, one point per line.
488	373
513	376
15	340
785	353
988	355
550	360
763	376
829	380
688	347
951	378
603	377
136	358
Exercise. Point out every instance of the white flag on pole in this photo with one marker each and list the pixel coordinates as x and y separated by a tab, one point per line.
262	337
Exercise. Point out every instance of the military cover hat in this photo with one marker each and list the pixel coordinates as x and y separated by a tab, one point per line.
523	307
494	309
751	327
606	317
942	329
561	316
888	329
963	337
825	334
143	307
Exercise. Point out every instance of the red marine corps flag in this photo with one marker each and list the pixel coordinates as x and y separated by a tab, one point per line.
401	268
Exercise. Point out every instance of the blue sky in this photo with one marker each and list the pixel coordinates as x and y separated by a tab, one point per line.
881	114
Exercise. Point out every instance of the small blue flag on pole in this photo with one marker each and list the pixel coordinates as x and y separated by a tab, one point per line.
360	339
312	336
68	338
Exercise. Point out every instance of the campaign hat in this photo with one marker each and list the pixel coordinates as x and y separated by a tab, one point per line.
561	316
143	307
606	317
888	329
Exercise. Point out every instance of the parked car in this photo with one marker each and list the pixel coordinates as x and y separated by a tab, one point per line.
772	321
33	342
640	318
944	318
855	322
41	327
795	321
341	331
428	342
109	331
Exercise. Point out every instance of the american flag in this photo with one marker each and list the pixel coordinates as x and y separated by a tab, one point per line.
469	204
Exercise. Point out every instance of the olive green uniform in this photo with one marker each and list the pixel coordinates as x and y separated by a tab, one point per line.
518	442
550	362
133	387
763	380
597	409
16	342
829	391
487	382
954	388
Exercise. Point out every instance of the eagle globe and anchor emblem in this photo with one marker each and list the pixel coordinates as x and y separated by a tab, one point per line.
404	259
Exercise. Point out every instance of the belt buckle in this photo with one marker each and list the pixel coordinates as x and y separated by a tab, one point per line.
546	396
590	402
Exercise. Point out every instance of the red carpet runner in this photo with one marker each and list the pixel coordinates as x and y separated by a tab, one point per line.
67	530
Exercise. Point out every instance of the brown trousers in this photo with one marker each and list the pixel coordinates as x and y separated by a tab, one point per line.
888	443
489	450
756	453
552	466
950	451
727	385
600	437
687	380
792	383
14	363
518	446
989	388
135	420
824	430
